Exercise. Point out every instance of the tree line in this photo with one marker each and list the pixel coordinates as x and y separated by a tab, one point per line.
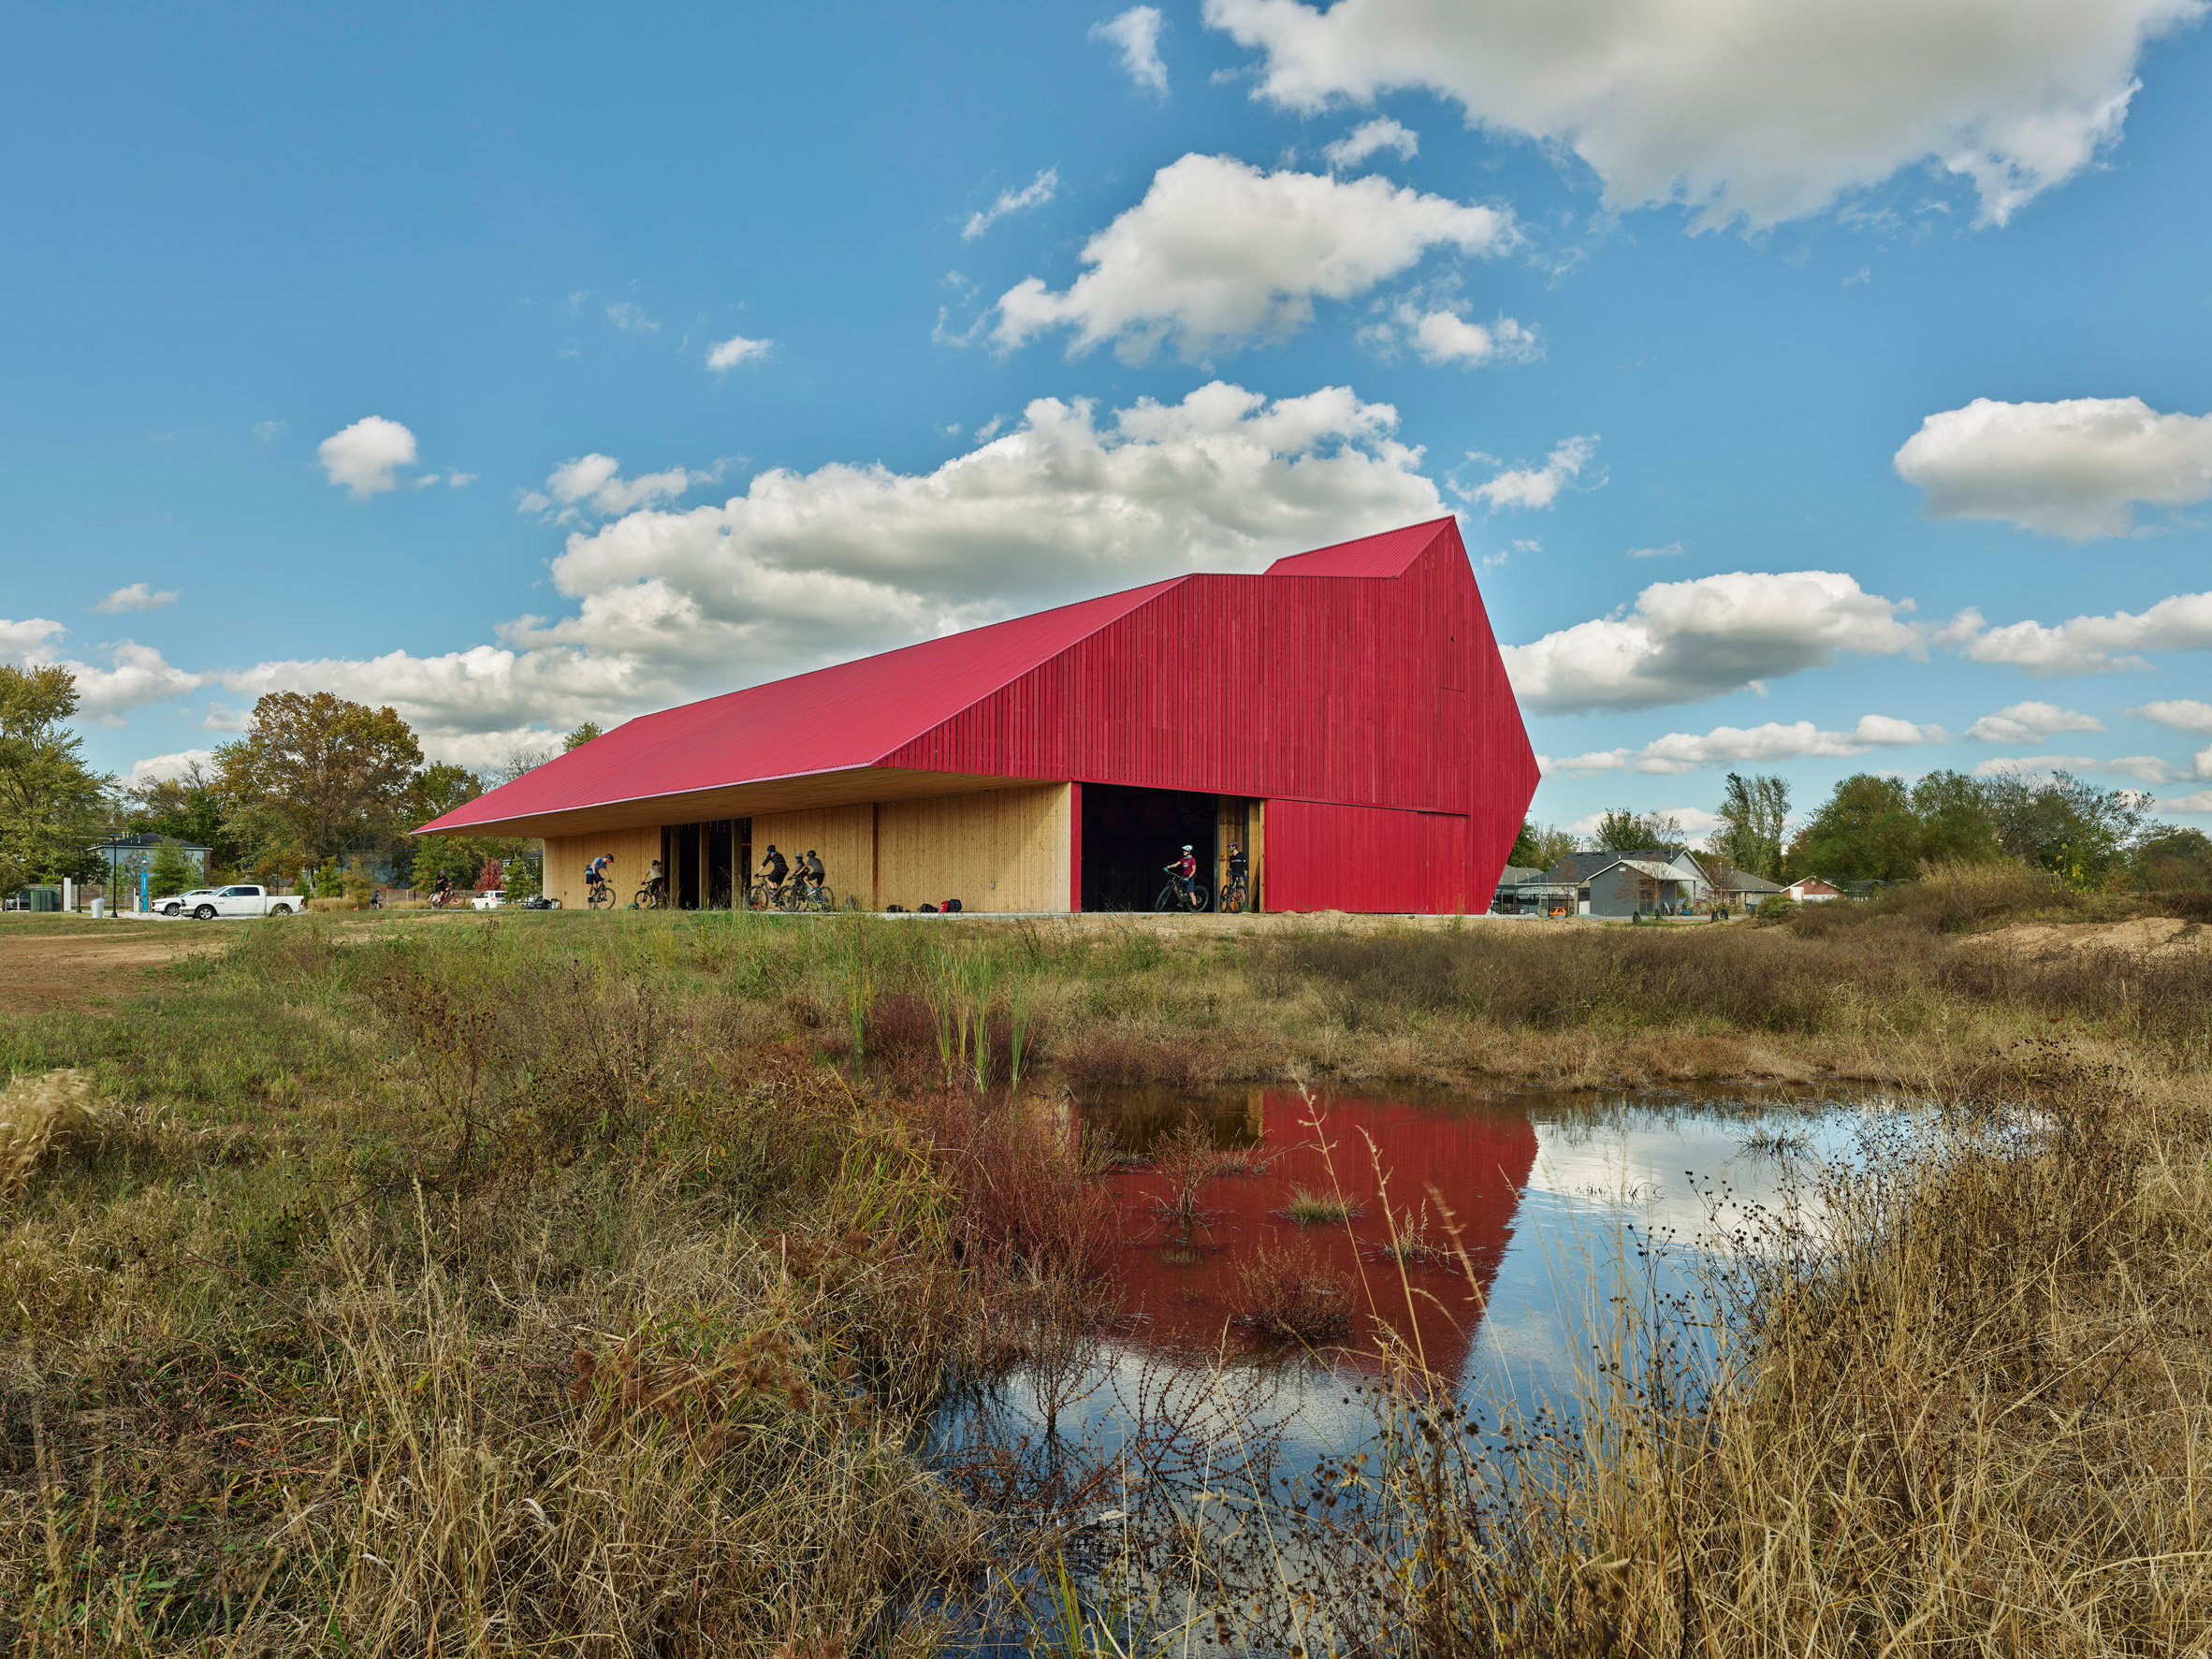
1879	828
317	792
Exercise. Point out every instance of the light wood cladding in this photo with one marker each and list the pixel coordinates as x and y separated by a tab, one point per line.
632	850
994	850
844	835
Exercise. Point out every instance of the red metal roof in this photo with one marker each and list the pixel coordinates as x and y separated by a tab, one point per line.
1385	554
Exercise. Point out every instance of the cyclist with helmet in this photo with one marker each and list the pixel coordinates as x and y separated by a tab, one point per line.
1240	868
811	873
774	869
1184	871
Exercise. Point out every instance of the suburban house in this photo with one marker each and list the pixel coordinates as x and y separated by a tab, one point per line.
1345	717
1666	880
1744	890
1515	884
1812	891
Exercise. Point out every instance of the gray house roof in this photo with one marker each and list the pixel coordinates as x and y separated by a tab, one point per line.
1744	881
1515	875
1580	867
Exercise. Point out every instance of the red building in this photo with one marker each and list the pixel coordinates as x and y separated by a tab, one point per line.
1345	717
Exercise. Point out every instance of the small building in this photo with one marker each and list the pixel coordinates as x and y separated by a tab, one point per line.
1694	885
124	856
1515	884
1811	890
1632	887
1345	717
1744	890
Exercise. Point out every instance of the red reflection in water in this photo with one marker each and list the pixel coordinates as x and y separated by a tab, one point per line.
1465	1166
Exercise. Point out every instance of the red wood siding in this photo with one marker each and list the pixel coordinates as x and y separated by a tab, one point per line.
1325	856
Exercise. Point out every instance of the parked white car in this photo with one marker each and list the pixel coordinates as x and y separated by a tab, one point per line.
490	899
182	904
246	901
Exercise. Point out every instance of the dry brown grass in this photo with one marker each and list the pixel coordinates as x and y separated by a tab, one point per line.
529	1284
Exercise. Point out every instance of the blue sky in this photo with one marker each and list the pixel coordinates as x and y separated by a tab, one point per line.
379	354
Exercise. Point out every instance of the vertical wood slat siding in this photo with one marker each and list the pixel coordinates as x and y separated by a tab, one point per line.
631	850
1325	856
844	835
996	850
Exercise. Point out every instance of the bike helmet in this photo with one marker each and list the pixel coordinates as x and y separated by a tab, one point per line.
1186	847
810	853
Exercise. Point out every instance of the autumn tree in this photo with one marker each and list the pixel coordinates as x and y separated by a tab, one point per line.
328	772
1754	812
50	800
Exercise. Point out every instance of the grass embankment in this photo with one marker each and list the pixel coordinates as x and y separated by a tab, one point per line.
541	1284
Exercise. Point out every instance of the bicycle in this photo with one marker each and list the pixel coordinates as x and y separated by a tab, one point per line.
1182	897
598	895
1234	897
651	897
762	895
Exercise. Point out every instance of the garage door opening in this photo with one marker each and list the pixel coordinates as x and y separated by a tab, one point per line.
1129	834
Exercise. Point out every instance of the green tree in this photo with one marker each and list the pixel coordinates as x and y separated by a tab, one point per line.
525	878
2079	833
171	871
50	805
1957	821
1754	814
328	772
1865	831
1621	831
2173	859
581	735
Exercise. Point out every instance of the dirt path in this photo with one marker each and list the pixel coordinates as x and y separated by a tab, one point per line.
86	965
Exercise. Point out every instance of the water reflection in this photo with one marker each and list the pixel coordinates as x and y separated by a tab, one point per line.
1529	1206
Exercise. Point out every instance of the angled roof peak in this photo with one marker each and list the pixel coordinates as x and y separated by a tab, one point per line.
1385	554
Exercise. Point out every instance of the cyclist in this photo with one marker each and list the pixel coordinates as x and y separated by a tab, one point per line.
656	883
773	870
595	873
811	874
1240	870
442	892
1184	871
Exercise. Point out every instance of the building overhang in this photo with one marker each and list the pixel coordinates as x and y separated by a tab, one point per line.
851	786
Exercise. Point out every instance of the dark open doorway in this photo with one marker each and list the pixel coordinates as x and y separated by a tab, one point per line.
1129	834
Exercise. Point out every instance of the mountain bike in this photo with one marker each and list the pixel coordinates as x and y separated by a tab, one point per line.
598	896
1235	896
1184	898
651	897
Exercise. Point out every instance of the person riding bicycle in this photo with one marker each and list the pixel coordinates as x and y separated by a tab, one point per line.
1184	871
442	891
774	869
811	874
656	883
595	872
1240	868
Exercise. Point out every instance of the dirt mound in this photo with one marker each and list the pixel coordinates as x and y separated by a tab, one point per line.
2150	936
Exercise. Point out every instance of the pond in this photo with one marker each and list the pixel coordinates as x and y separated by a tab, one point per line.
1292	1258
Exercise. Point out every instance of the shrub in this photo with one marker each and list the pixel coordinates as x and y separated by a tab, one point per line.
1289	1294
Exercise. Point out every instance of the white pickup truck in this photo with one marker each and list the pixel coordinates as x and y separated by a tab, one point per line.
182	904
245	901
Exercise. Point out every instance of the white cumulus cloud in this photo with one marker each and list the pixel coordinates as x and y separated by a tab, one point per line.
1682	641
1136	33
1446	336
167	766
1218	254
593	483
726	355
2148	767
1368	136
1735	745
1035	194
2183	714
2089	644
1532	487
1742	110
366	456
2024	722
805	568
139	596
2073	469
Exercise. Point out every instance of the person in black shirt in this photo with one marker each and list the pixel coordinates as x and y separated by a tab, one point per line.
774	869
